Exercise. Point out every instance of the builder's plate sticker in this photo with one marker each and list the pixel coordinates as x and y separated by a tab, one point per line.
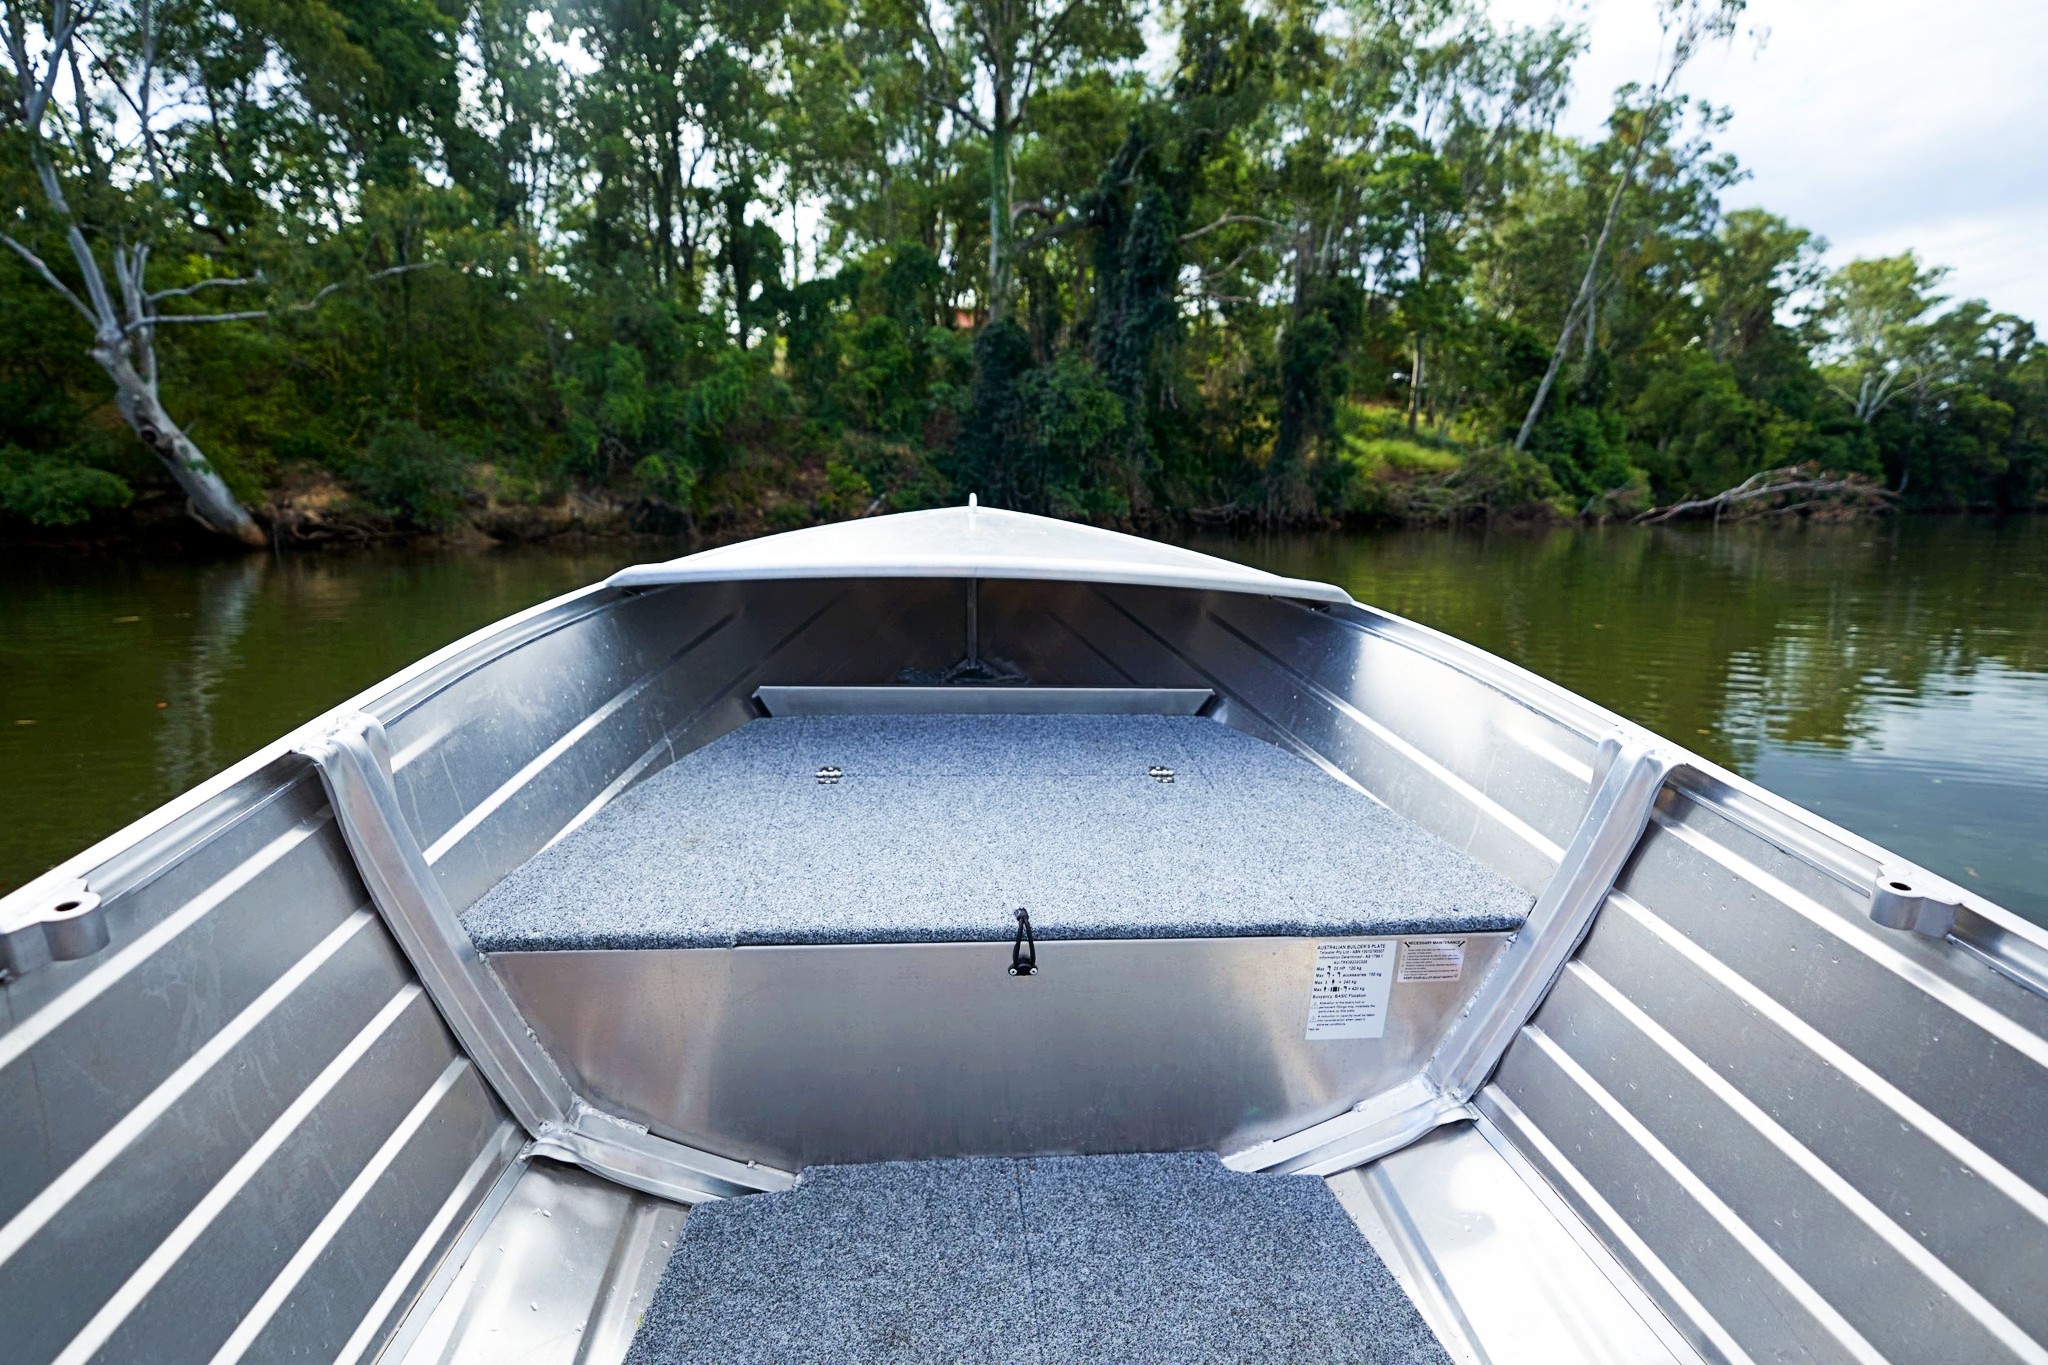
1348	997
1432	959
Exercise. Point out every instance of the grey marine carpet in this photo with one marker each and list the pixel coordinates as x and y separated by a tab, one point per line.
938	827
1170	1258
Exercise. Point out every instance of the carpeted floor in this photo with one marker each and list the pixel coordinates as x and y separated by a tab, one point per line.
1169	1258
938	827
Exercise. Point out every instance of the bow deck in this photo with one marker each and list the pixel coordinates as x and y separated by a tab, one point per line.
934	828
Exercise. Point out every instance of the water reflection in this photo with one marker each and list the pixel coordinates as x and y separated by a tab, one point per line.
123	683
1893	678
186	753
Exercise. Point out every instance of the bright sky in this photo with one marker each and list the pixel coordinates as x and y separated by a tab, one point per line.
1879	124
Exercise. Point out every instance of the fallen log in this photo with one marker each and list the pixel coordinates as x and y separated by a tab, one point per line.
1763	494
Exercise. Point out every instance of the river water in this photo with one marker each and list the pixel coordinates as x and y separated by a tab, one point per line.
1892	677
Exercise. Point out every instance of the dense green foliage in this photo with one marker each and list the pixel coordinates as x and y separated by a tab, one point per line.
736	265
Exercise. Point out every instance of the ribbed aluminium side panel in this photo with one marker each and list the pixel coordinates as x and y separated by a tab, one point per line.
1812	1138
496	764
246	1087
1471	765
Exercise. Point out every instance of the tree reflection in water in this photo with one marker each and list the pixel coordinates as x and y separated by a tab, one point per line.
1892	676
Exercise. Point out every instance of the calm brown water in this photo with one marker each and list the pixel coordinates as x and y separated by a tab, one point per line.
1893	678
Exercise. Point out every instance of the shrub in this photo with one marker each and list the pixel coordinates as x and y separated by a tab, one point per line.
54	490
411	473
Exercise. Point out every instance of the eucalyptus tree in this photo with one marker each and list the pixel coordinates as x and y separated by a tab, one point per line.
679	109
216	142
987	61
1399	127
1886	337
1687	25
49	52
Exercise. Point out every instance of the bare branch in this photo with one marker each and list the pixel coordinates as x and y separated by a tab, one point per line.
35	94
1227	220
237	282
1041	43
957	112
1203	277
151	148
1846	489
1053	233
50	278
302	306
249	316
945	62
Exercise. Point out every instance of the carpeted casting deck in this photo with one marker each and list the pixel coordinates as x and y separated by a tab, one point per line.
1053	1260
938	827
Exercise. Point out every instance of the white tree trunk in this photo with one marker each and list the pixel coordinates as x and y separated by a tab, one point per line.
211	500
119	342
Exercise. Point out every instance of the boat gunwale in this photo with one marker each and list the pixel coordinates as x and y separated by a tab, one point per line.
2013	946
1996	936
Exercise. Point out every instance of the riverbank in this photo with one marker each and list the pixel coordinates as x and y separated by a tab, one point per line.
1377	482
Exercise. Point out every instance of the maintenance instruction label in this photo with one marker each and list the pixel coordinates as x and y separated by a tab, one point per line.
1348	995
1432	959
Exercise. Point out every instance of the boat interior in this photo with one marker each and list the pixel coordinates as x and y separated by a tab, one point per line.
988	965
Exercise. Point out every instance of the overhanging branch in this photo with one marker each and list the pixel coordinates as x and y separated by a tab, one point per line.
1225	221
49	276
256	314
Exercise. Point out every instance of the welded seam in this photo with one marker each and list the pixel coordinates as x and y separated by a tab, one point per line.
51	1199
483	1016
106	975
1852	1068
265	1308
1815	1304
1966	1296
172	1248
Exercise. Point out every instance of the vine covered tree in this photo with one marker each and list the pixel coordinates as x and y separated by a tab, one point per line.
709	267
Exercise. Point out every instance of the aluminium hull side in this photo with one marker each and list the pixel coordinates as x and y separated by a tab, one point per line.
1795	1128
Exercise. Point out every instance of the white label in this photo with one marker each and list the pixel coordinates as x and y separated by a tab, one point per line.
1432	959
1348	995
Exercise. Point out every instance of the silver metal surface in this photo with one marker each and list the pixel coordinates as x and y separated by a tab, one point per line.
68	925
970	543
1386	1122
1501	1274
235	1121
1631	776
354	765
983	701
1799	1129
1900	900
1627	781
797	1056
559	1275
